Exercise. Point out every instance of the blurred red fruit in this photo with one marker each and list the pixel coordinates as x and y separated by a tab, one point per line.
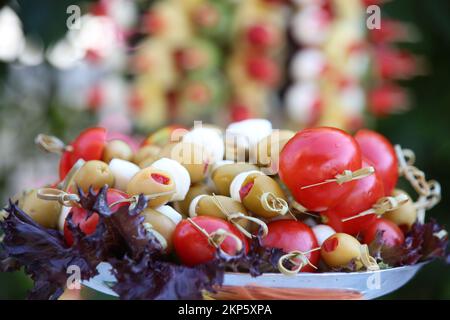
239	112
262	36
95	98
263	69
387	99
393	64
153	23
390	31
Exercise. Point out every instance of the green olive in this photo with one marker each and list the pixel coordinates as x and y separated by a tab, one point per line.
269	148
236	152
150	181
146	152
192	156
117	149
405	215
340	249
148	162
254	200
44	212
207	206
160	223
224	175
194	191
20	197
95	174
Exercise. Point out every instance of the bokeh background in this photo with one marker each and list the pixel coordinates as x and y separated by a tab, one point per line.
41	96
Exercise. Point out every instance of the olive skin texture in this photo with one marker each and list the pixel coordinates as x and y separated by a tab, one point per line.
194	191
95	174
146	152
193	157
147	162
207	206
340	249
150	181
44	212
261	184
117	149
162	224
269	148
224	175
405	216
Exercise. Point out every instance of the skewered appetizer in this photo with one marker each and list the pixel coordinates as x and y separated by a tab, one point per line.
331	205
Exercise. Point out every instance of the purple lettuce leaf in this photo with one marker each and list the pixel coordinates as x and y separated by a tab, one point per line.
41	252
147	277
421	243
258	260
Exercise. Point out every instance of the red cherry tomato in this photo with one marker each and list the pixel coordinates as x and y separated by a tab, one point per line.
262	36
380	152
365	193
65	164
391	235
290	235
88	145
263	69
313	156
193	248
88	226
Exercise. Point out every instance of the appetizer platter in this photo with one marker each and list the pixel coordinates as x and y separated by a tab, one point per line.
246	212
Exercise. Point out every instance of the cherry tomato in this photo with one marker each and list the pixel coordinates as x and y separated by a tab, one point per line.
381	154
391	235
88	145
365	193
193	248
263	69
88	226
290	235
262	35
313	156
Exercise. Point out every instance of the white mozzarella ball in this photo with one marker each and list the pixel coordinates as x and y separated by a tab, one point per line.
62	218
353	100
322	232
123	171
210	139
237	182
310	26
248	133
193	205
179	174
301	99
170	213
308	64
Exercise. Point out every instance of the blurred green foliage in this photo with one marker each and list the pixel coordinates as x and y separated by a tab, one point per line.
424	129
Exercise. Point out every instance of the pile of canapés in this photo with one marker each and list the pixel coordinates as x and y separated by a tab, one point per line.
318	194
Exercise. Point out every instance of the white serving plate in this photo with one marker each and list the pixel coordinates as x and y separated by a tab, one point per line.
369	284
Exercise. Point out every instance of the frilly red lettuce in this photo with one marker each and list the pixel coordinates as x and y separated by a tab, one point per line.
42	253
141	268
423	242
120	238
